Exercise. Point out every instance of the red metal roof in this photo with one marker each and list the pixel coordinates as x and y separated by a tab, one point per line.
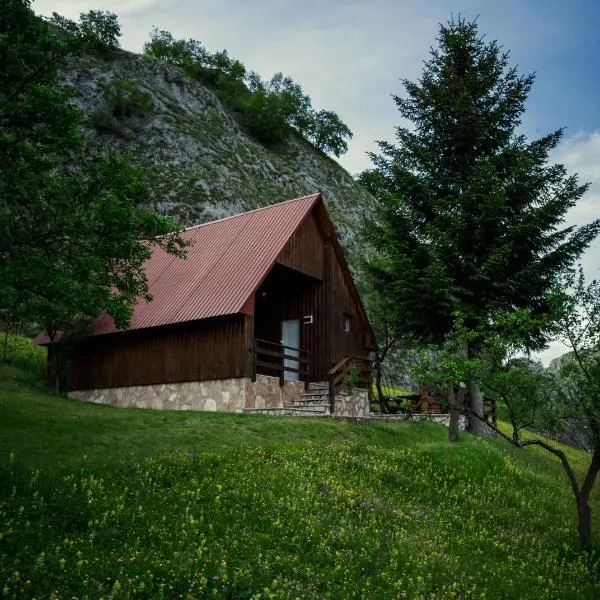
225	264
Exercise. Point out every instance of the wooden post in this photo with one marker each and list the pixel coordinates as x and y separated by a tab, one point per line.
424	393
306	377
331	395
5	344
253	360
282	371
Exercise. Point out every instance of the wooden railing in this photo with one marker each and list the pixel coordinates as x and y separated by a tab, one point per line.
343	372
427	402
272	356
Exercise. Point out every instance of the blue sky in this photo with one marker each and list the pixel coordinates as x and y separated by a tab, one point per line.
349	56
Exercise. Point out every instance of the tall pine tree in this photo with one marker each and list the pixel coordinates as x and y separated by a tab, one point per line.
470	211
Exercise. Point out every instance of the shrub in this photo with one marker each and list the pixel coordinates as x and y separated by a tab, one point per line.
103	121
20	351
100	28
269	110
125	99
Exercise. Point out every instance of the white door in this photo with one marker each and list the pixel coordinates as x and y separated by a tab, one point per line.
290	336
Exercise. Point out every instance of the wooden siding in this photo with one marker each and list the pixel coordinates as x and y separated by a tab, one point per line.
287	294
304	250
340	300
309	279
209	349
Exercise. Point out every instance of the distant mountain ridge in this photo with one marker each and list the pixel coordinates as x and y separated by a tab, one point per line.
202	164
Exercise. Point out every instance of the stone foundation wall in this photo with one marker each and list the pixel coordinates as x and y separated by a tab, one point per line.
222	395
355	405
266	392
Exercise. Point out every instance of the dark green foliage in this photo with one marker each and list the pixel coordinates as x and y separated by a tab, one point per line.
104	122
470	212
72	239
98	31
293	107
527	392
163	46
262	115
194	59
100	27
328	133
269	110
125	99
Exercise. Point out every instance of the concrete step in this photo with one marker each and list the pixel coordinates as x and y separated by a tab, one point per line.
310	402
318	385
287	411
314	397
313	407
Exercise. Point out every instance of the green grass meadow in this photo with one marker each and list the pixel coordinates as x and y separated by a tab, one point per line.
98	502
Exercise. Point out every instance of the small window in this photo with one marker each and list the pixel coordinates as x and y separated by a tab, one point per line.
346	322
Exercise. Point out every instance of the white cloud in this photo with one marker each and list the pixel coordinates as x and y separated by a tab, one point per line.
580	153
73	8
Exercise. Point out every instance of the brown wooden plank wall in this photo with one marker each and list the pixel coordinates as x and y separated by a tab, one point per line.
340	301
287	294
211	349
303	252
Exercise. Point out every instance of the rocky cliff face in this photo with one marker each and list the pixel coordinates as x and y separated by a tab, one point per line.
202	165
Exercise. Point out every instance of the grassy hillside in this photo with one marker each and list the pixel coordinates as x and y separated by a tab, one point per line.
97	502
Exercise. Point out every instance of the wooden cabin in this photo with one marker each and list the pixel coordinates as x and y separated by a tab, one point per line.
263	305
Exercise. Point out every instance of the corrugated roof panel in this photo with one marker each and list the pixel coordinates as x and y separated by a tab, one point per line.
227	261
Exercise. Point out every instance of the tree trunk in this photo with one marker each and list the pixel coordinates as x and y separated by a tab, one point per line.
584	526
5	345
383	403
584	510
454	413
476	408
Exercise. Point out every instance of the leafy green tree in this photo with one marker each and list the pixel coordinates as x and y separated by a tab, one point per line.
72	237
536	400
163	46
545	402
329	133
470	212
296	106
524	387
577	309
269	110
101	27
97	30
263	114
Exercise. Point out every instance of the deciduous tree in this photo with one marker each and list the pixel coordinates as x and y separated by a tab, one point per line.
73	239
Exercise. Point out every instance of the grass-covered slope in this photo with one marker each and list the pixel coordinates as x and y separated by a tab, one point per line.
97	502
